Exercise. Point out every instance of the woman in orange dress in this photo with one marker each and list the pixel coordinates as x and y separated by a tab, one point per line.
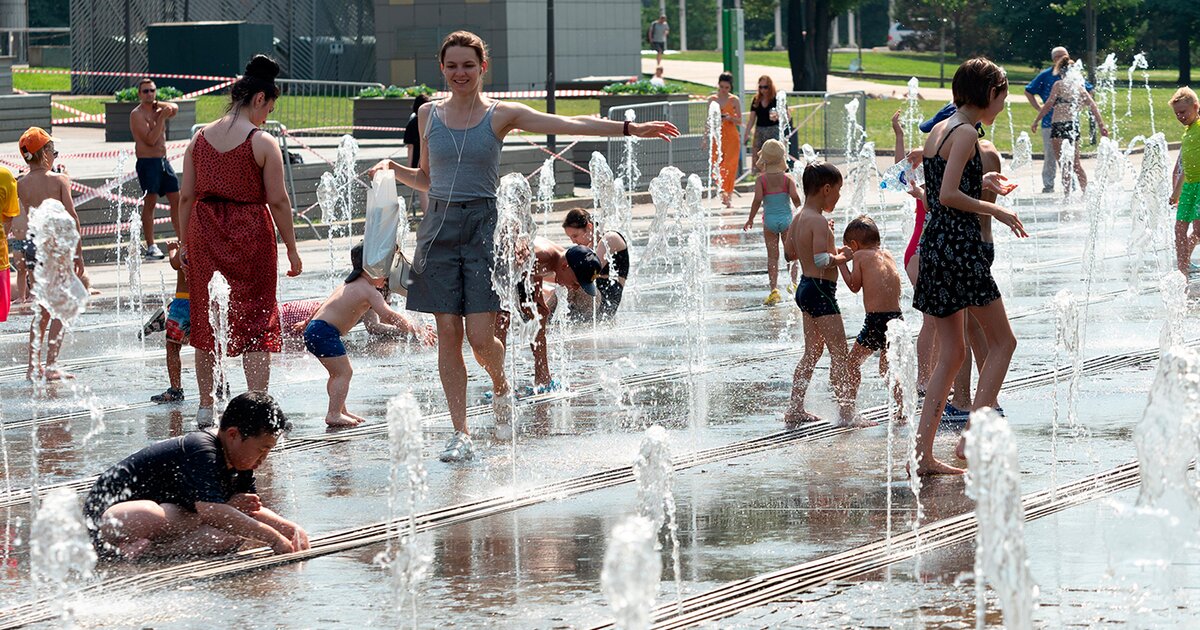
731	136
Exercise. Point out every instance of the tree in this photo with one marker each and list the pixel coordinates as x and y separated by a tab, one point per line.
1089	8
1185	15
808	29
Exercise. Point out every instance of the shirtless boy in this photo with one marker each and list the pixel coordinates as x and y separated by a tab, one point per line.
875	273
810	241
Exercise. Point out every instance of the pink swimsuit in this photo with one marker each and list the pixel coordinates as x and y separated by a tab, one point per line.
916	235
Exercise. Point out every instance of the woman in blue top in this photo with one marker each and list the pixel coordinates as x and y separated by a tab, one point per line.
460	161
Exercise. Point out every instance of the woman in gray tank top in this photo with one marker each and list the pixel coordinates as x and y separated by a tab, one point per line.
460	162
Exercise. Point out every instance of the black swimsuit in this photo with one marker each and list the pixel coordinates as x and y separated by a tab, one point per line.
955	270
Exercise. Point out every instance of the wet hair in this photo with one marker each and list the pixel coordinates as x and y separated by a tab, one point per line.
466	39
259	77
977	81
356	263
1060	66
771	92
254	414
725	77
577	218
863	230
144	82
1184	94
420	100
816	176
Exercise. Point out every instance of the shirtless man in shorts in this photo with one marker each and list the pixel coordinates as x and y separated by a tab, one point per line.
148	123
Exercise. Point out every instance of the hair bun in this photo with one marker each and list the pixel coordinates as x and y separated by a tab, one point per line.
262	67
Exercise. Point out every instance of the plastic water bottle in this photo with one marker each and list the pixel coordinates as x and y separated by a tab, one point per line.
901	176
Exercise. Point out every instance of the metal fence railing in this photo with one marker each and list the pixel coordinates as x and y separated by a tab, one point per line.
318	108
817	119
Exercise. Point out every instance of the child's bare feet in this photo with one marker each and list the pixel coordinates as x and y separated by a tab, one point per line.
341	421
935	467
796	417
55	374
856	421
960	451
357	417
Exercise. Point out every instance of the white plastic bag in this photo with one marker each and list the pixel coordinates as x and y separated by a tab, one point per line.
379	232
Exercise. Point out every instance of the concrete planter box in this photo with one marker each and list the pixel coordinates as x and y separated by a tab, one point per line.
382	112
19	112
116	121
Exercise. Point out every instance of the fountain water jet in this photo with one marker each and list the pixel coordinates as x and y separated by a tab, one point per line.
406	557
993	480
218	319
631	573
61	554
655	476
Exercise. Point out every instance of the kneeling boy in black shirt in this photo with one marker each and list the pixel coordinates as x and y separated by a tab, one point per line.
194	494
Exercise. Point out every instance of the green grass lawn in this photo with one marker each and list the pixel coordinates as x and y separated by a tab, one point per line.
32	82
904	64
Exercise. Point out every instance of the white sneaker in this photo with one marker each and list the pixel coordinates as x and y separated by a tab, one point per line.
154	253
458	449
204	417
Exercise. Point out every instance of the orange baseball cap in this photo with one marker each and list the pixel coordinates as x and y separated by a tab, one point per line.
32	141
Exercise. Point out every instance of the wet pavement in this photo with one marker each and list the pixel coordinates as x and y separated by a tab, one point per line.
539	566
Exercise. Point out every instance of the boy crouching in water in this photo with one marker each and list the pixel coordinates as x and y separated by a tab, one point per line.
336	316
874	273
810	241
194	494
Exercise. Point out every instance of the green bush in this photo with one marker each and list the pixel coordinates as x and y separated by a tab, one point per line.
643	87
130	94
392	91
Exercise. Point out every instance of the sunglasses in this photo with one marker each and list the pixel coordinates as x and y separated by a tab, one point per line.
147	91
764	87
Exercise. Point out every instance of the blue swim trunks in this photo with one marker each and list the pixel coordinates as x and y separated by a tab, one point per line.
324	340
817	297
179	320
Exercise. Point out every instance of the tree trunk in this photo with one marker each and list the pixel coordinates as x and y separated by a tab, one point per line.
1185	52
1089	17
808	43
958	45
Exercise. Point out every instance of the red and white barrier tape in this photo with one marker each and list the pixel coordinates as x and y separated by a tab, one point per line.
98	73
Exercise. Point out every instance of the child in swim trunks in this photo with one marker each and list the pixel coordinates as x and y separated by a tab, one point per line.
179	325
337	315
776	194
874	273
1186	192
810	241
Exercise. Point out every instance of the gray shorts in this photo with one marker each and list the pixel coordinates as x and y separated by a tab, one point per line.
452	266
762	133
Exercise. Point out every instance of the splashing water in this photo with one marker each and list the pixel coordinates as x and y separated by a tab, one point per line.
1151	197
119	205
545	192
1167	435
713	128
781	112
994	481
1022	152
631	573
1106	93
697	268
60	551
910	118
902	377
656	501
630	173
513	244
406	556
218	319
327	198
666	191
1140	63
1172	288
55	285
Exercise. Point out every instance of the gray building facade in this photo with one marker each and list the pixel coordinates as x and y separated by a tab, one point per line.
593	38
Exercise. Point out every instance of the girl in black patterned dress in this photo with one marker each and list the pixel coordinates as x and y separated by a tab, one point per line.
955	272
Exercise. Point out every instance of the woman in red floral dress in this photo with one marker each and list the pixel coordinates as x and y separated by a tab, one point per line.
232	200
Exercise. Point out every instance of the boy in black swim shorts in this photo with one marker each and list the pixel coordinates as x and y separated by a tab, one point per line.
874	272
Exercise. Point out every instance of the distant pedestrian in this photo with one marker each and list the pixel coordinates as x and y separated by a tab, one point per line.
1040	86
659	29
412	141
728	142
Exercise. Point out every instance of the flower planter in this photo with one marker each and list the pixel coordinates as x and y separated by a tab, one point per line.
678	115
116	121
382	112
